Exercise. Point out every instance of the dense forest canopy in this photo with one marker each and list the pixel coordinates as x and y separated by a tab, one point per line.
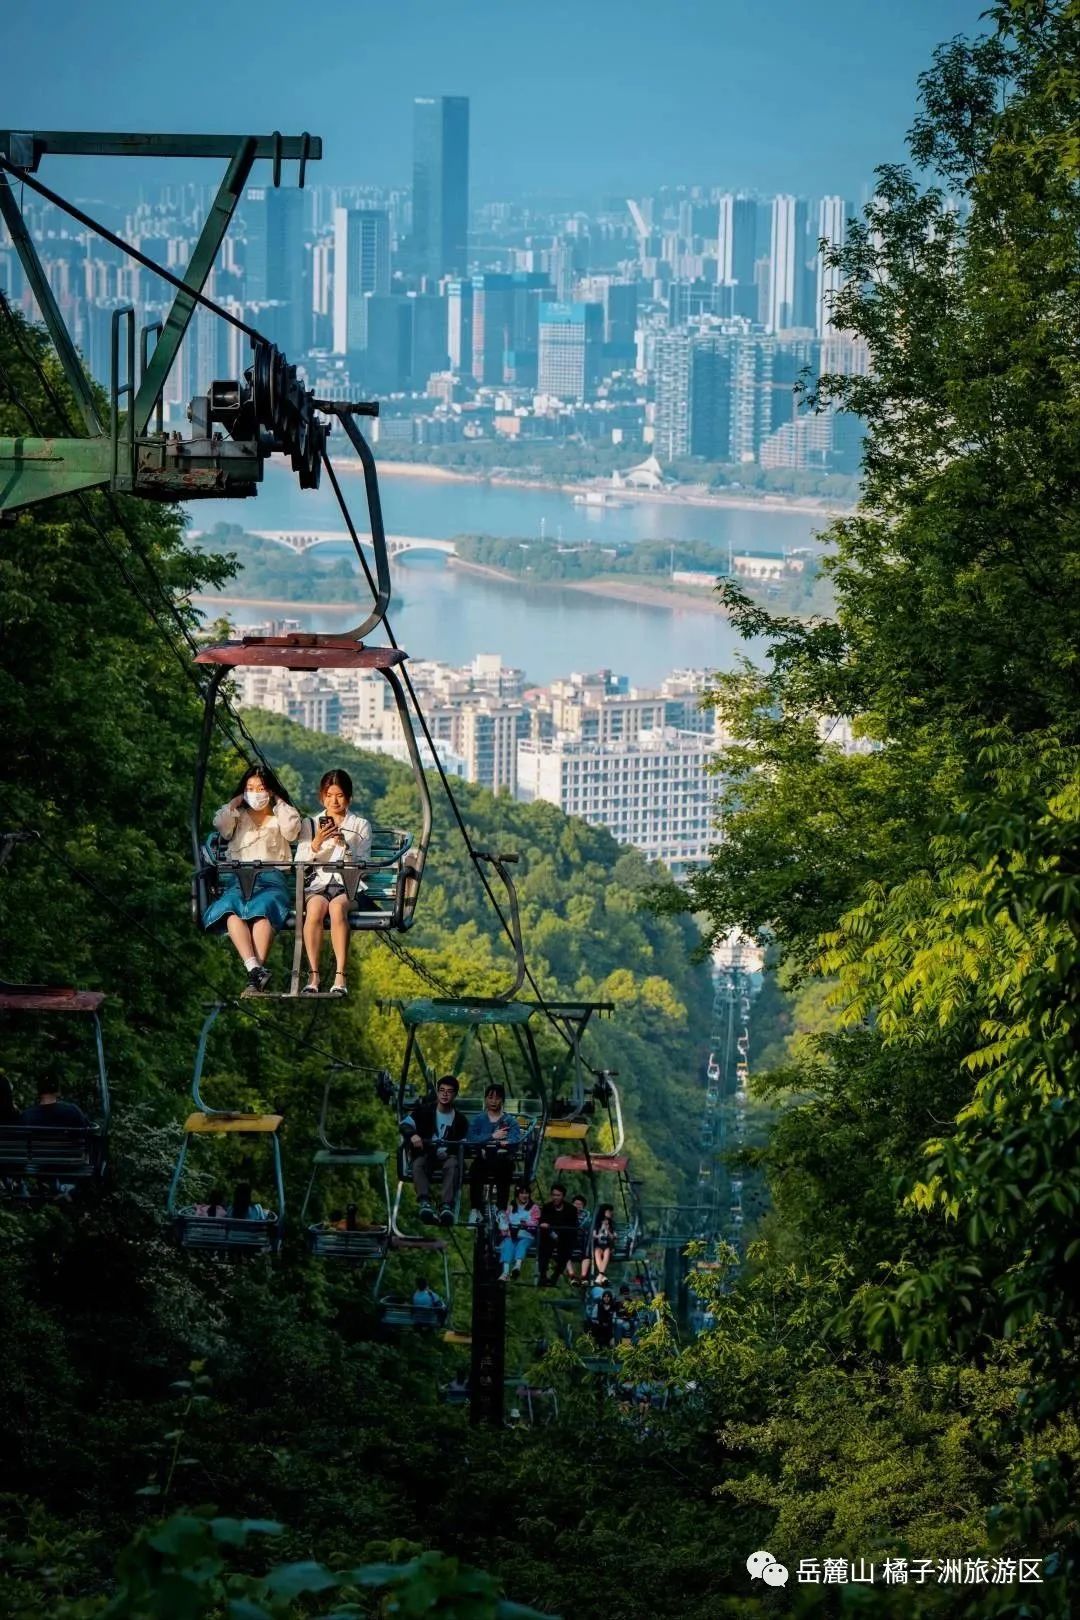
893	1372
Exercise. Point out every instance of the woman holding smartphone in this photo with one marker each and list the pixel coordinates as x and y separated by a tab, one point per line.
603	1241
326	842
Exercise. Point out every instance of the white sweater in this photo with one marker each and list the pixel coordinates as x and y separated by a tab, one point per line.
356	847
270	840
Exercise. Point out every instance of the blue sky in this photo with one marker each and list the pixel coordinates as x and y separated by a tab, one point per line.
569	97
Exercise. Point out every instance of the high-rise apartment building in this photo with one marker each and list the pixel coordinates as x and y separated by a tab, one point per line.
361	266
571	340
653	791
790	295
711	397
440	185
671	429
752	360
833	215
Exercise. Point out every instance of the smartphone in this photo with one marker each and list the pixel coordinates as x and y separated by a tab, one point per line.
326	821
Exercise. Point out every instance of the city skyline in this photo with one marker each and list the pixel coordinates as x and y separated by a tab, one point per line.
811	105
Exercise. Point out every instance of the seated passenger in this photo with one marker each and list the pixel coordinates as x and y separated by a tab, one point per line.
260	824
51	1110
602	1326
326	842
9	1114
603	1240
242	1207
582	1249
624	1316
429	1130
426	1299
518	1226
558	1229
495	1133
214	1207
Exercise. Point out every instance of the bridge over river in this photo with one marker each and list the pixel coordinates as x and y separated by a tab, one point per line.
395	543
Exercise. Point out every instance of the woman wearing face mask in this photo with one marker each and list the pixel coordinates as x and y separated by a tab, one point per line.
261	824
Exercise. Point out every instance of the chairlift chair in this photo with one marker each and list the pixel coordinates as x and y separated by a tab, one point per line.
359	1243
228	1234
33	1156
398	1310
417	1079
391	875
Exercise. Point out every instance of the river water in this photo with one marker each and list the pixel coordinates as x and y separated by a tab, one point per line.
448	614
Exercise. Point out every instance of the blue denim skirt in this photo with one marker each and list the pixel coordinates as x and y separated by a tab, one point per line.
270	898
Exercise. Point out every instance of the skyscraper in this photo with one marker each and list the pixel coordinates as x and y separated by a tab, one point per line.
277	265
492	325
459	321
571	349
832	225
361	266
737	250
789	303
429	334
440	185
385	366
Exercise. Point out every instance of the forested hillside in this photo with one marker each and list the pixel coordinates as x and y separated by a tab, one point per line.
891	1377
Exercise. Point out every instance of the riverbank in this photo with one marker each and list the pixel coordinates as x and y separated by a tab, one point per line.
614	589
685	495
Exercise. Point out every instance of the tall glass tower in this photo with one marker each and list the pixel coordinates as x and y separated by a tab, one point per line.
441	185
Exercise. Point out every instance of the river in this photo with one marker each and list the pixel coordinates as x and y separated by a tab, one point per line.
448	614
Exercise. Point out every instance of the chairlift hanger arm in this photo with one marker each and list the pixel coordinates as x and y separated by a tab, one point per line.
501	863
24	149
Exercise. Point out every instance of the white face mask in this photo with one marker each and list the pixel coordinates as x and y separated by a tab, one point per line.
257	801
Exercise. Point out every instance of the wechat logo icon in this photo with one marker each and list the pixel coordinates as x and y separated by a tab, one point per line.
763	1566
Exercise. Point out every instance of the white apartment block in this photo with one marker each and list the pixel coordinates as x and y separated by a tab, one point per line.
652	792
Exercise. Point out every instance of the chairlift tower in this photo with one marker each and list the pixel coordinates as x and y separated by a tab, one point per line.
236	423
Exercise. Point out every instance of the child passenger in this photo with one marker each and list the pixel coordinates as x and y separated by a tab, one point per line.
326	842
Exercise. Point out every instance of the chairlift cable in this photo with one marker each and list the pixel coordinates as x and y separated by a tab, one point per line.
444	779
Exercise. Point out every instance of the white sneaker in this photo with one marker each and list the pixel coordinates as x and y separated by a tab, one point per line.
504	1275
475	1217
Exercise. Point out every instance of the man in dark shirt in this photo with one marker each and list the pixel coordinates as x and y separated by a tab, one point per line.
429	1132
51	1110
558	1229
